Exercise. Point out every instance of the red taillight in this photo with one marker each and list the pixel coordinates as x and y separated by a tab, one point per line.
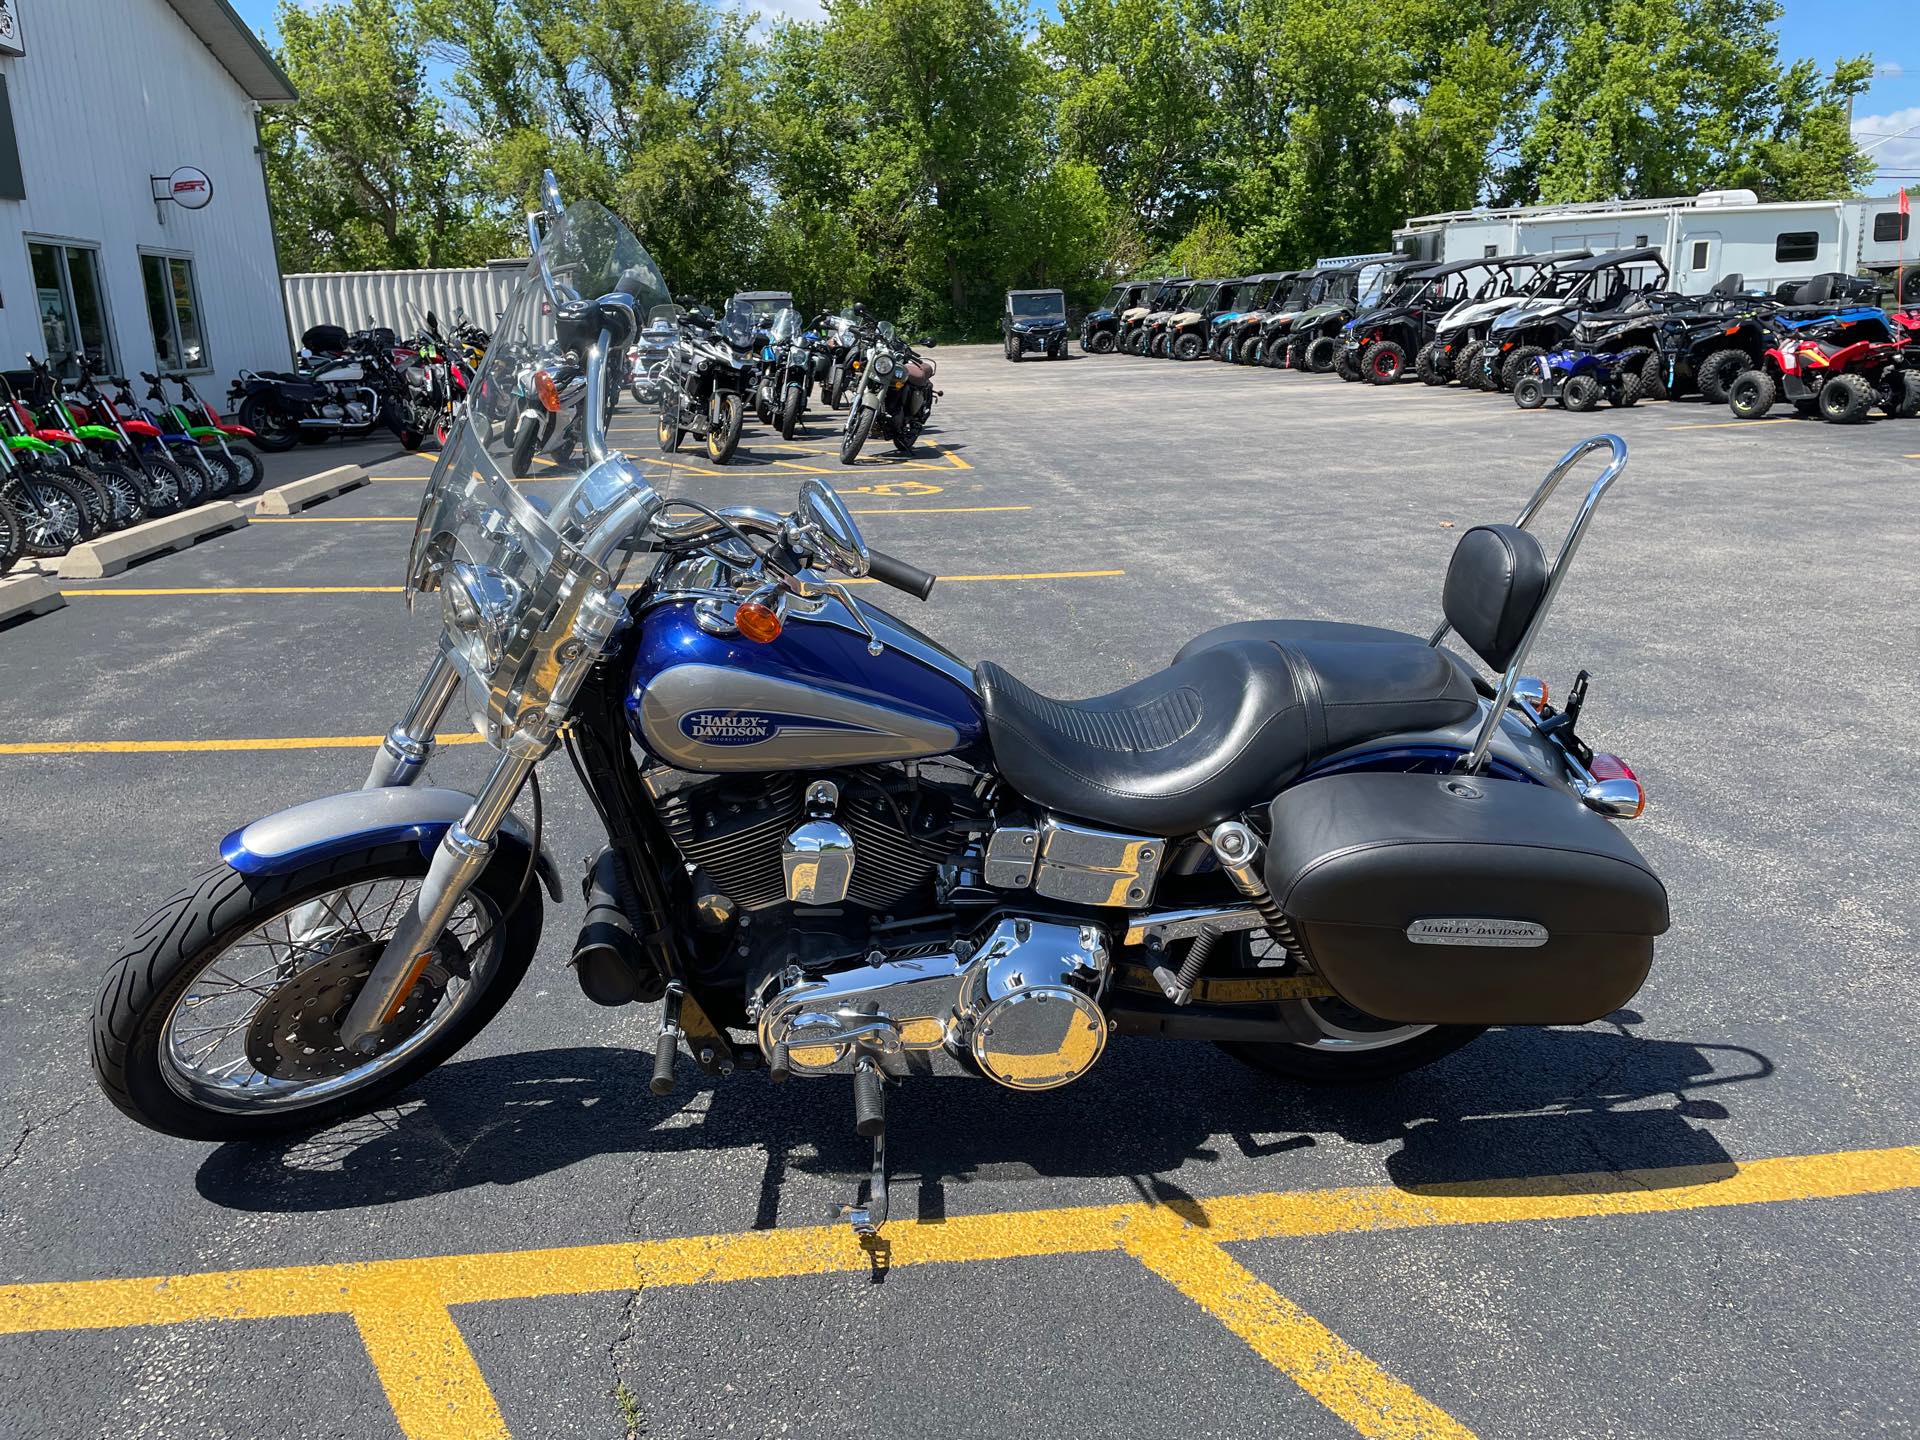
1610	767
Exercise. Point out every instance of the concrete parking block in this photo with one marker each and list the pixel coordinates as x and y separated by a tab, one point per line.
28	594
111	554
292	498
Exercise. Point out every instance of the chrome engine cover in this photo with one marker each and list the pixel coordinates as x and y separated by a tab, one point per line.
1023	1004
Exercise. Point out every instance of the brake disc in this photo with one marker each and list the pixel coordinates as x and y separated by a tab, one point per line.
295	1034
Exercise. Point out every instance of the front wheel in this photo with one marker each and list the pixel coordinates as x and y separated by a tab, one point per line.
1530	392
1100	343
1386	362
526	437
1319	354
669	430
1187	347
221	1020
247	462
790	411
1581	393
723	435
1715	373
1431	363
859	427
1752	394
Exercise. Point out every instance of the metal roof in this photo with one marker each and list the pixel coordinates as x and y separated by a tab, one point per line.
1612	258
237	49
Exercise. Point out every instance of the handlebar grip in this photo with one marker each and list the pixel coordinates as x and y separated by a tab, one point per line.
899	574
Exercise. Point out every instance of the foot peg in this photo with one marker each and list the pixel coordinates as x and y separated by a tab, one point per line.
870	1122
667	1049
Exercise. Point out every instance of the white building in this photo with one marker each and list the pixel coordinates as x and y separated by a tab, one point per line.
1705	238
104	105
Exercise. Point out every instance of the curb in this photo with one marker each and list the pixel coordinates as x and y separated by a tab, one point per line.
296	495
28	594
111	554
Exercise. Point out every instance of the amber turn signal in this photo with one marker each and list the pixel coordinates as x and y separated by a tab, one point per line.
756	622
543	389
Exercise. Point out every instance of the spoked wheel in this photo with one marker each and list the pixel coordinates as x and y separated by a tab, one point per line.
222	1021
166	486
272	429
126	490
1352	1047
52	515
12	537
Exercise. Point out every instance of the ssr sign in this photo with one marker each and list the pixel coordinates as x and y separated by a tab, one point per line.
11	41
189	187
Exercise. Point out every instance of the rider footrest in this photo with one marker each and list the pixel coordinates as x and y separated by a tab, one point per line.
667	1049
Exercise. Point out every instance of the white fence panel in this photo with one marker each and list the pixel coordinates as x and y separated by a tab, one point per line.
398	298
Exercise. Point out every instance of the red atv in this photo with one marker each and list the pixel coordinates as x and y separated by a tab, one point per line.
1837	365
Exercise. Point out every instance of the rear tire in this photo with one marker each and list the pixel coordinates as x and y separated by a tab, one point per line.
127	491
1581	393
1653	380
1717	372
1518	362
166	486
1752	394
1319	354
1624	391
190	934
1431	363
1386	362
1903	394
1846	400
1466	365
11	537
272	431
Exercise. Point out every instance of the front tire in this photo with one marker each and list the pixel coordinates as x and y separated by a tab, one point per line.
668	432
1187	347
1319	354
1386	363
525	438
1530	393
1717	372
723	436
166	1076
1100	344
1431	363
1581	393
249	464
859	427
1752	394
790	411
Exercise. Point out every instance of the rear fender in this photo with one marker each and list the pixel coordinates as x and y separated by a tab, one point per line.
338	825
1520	752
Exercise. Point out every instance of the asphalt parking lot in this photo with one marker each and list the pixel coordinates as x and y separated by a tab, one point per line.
1696	1218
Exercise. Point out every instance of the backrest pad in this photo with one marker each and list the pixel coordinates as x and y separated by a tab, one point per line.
1495	583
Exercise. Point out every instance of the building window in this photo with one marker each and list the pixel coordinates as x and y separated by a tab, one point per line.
72	305
173	309
1891	226
1640	241
1699	254
1795	247
1487	252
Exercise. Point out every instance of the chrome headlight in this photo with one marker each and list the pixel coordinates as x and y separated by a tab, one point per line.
882	365
478	605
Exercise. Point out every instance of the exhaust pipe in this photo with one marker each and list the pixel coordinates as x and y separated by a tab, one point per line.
608	959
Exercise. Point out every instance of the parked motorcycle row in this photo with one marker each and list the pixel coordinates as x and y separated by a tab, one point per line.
707	374
87	455
1572	328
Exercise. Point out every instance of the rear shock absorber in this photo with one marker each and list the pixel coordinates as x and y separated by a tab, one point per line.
1239	851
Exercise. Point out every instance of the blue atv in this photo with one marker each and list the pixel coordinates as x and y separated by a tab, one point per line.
1580	379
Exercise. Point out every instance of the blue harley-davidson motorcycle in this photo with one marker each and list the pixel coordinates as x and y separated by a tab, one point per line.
835	849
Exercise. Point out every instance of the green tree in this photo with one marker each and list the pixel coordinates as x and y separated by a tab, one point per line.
1670	97
647	106
363	171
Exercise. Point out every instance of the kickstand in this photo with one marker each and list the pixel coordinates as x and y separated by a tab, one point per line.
868	1218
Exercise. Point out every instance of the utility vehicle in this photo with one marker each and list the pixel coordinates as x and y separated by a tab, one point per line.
1100	329
1544	322
1307	289
1463	330
1034	320
1133	320
1189	328
1380	344
1313	341
1158	325
1236	331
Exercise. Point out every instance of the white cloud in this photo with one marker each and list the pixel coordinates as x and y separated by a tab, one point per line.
1888	70
1893	141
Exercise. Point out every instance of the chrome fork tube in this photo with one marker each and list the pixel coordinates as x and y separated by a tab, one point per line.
462	854
404	753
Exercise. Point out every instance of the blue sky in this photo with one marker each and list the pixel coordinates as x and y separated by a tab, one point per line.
1826	30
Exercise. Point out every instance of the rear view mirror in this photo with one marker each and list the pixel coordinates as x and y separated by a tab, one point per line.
924	344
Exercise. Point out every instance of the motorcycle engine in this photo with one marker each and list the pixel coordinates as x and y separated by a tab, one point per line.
829	902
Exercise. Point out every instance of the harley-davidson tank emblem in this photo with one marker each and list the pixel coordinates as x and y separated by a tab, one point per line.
1459	930
751	727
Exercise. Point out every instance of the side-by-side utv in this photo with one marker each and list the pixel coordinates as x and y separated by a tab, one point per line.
1034	320
1314	341
1159	322
1236	333
1463	330
1132	339
1308	289
1100	328
1190	327
1592	289
1378	345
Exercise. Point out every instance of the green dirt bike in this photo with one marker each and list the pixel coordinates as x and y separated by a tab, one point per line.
59	457
96	448
203	423
53	510
193	445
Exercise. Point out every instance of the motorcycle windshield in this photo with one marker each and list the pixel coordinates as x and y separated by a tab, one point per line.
784	328
514	570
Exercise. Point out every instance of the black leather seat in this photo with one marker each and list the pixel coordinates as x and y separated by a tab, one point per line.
1222	728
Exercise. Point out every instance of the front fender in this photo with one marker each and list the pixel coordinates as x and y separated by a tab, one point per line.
357	820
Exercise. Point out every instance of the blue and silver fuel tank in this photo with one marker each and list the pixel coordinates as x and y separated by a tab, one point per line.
813	697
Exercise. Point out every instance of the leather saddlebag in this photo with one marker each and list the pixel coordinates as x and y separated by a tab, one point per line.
1464	900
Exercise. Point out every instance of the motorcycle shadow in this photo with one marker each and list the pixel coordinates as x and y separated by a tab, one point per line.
1600	1106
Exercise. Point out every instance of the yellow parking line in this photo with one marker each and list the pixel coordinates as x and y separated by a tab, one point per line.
1736	424
436	1389
942	510
182	747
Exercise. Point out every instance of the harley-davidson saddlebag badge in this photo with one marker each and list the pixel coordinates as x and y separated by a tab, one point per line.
1464	900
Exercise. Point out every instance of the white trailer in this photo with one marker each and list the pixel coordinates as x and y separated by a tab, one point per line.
1704	237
